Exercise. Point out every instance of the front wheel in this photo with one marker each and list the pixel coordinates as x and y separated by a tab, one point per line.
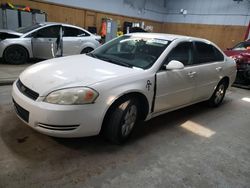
15	55
218	95
122	120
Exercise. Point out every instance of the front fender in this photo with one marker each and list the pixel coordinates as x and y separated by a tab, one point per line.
24	42
110	91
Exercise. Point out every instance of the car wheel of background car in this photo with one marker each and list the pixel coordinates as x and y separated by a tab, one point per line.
15	55
122	120
86	50
218	94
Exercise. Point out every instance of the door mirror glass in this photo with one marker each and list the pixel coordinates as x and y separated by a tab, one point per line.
173	65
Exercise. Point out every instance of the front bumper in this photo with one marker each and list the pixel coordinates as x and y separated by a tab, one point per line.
58	120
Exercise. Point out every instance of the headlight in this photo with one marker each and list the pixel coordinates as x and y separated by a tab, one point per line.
80	95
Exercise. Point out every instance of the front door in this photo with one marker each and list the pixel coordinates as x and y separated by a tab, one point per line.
175	88
45	42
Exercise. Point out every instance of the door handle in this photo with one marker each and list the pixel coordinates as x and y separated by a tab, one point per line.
191	74
219	68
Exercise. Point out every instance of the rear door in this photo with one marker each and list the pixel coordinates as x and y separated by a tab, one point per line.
73	40
44	42
210	62
176	88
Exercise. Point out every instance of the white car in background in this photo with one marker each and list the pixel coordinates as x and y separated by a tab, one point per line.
134	77
44	40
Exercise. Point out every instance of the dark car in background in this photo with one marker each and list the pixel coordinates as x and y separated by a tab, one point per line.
241	54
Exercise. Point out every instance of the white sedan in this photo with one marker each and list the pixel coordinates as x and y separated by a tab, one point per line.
134	77
44	41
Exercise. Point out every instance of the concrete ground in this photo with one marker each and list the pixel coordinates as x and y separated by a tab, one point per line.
193	147
9	73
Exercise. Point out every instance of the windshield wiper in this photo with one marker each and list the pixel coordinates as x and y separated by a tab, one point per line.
111	60
115	61
91	55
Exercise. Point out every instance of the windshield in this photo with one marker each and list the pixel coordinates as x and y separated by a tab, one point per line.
242	46
131	51
28	28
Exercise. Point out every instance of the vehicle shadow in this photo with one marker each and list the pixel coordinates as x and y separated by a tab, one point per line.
165	122
29	144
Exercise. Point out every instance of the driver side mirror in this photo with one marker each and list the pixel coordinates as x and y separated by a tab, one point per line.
173	65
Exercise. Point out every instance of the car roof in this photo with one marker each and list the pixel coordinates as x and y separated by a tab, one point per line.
64	24
169	37
57	23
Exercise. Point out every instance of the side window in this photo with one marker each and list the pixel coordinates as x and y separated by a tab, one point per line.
74	32
183	52
206	53
48	32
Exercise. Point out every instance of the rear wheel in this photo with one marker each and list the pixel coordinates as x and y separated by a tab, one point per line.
218	95
15	55
86	50
122	120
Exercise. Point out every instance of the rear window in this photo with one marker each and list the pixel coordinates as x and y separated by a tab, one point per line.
206	53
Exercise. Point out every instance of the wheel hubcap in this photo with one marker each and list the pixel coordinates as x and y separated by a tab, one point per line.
129	120
16	55
219	93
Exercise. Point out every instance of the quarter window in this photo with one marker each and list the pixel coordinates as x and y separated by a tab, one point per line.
183	52
219	55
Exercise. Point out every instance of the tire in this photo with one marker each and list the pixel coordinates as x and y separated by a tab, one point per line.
218	95
247	75
15	55
86	50
121	121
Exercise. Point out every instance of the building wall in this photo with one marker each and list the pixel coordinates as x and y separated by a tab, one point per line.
222	12
223	22
145	9
79	16
223	34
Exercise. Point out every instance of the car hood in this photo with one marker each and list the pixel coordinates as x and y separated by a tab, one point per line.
242	56
233	52
4	34
71	71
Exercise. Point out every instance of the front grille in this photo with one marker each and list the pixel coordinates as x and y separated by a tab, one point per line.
21	112
26	91
58	127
